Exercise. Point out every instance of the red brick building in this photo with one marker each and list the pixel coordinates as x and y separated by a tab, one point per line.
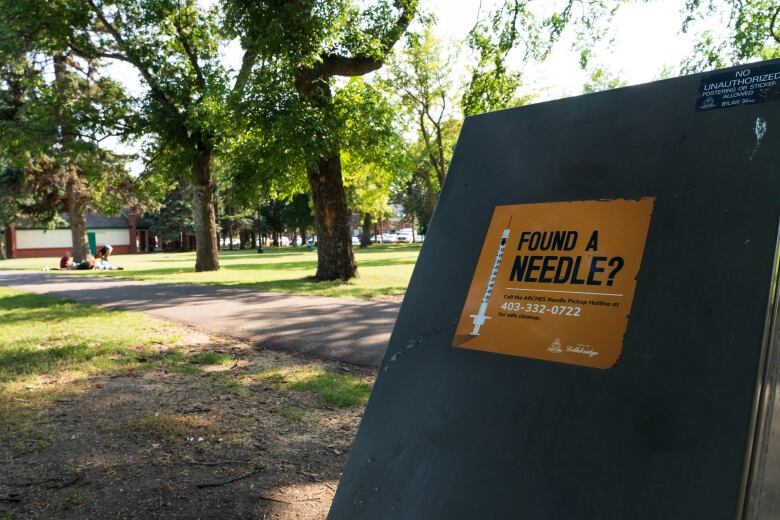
127	233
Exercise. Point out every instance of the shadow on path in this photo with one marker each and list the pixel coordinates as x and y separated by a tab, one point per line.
355	331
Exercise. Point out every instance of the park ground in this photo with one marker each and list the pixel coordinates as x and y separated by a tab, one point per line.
384	270
107	414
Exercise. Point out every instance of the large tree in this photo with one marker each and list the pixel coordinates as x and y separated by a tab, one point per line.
55	111
173	45
304	46
422	75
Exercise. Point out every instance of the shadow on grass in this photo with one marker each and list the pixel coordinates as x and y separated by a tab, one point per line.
270	251
304	285
308	263
29	307
274	266
302	250
311	286
42	334
18	359
312	264
338	328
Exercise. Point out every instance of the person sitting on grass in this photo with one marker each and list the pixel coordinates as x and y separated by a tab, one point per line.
104	252
66	262
102	259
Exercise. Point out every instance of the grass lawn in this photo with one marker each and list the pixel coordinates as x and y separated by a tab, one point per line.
384	270
44	336
97	408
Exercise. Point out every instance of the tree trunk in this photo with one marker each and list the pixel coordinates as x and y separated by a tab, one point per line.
430	192
303	236
78	201
335	259
365	238
77	190
441	171
206	251
260	234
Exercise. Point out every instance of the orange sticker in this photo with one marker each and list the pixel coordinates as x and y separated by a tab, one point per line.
555	281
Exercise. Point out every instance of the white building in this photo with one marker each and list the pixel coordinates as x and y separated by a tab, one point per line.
127	233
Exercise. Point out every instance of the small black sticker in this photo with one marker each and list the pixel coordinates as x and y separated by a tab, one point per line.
744	86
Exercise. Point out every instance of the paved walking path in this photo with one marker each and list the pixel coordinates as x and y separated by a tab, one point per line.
356	331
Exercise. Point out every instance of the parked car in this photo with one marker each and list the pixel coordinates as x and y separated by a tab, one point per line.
284	241
355	241
408	236
389	238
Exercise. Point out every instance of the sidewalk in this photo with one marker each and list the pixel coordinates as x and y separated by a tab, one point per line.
355	331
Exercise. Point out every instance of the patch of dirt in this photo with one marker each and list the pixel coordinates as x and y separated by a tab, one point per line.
218	443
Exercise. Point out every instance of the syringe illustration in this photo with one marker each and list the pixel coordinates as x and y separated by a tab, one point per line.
480	317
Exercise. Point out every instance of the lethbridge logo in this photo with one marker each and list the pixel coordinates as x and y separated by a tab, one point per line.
584	350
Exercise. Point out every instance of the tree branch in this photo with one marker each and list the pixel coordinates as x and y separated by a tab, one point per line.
439	159
775	35
337	65
154	87
247	62
96	54
428	144
443	107
411	95
190	52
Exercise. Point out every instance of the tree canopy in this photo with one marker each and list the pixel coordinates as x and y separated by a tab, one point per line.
56	111
300	114
173	45
752	32
345	105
